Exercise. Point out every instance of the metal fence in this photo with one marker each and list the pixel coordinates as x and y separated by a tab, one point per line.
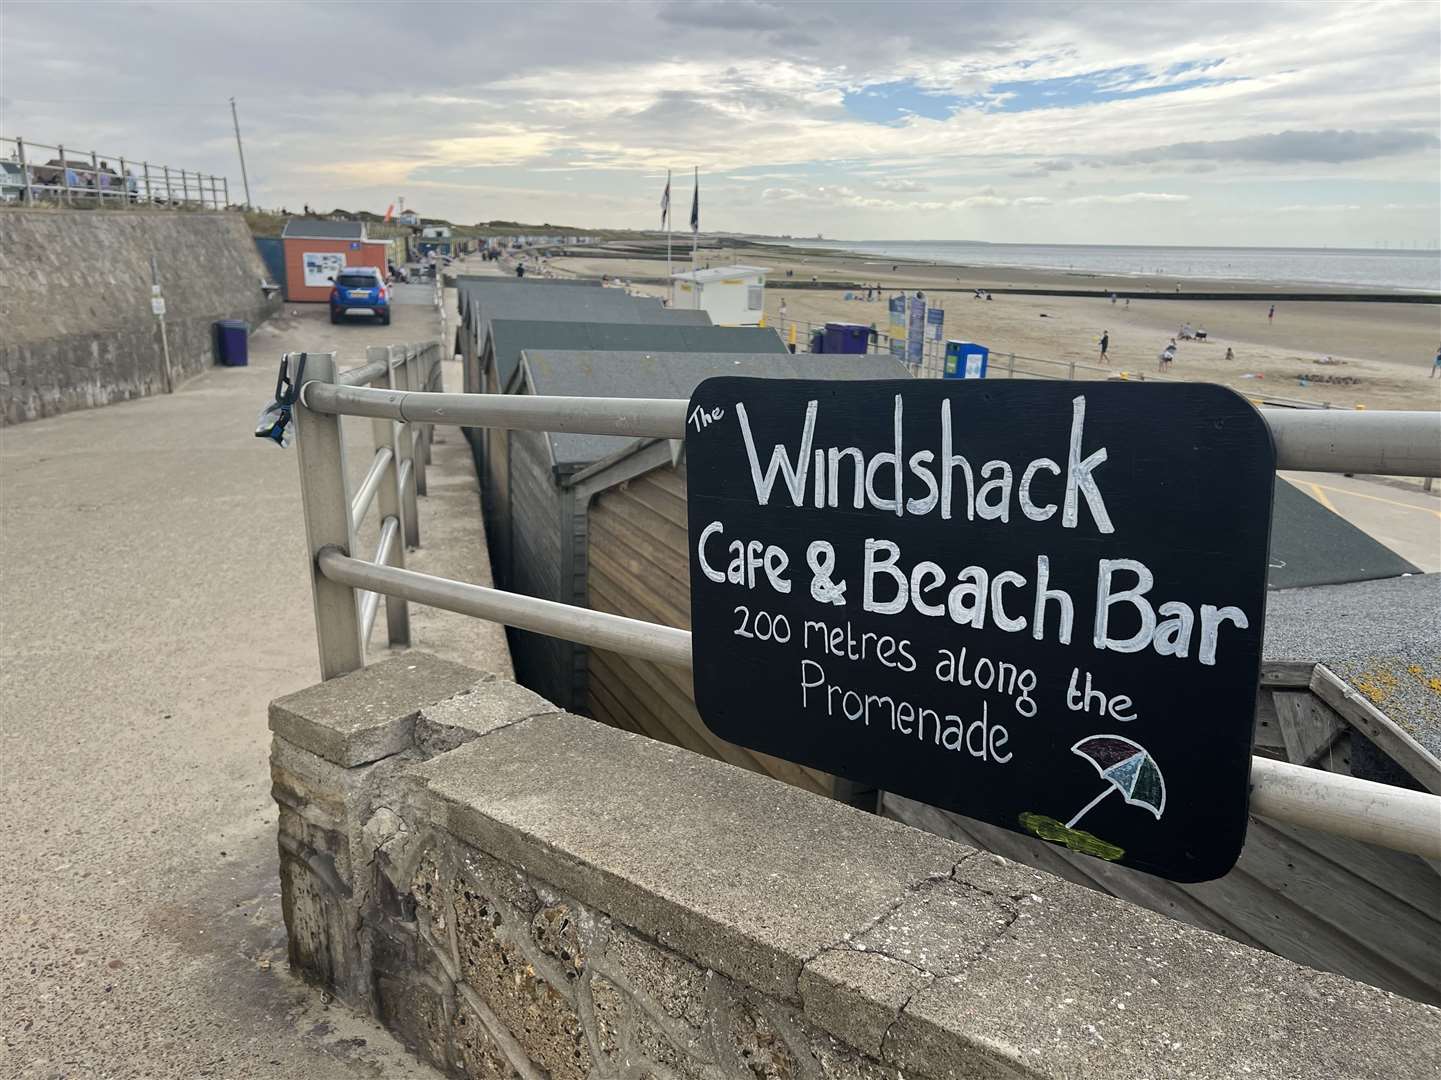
34	173
932	364
346	588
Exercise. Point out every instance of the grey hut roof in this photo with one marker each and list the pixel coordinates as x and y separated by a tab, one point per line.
510	336
557	305
591	373
1382	637
323	229
470	288
1311	545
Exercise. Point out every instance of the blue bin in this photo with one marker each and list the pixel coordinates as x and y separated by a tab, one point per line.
966	360
852	338
232	342
818	341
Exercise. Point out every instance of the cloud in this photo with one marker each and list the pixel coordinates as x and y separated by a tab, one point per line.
744	15
899	183
981	200
1331	147
1303	104
1128	198
1318	208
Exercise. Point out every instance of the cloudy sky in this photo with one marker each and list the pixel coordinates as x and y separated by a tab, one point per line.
1222	123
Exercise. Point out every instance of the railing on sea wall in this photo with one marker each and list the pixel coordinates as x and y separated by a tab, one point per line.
35	173
399	399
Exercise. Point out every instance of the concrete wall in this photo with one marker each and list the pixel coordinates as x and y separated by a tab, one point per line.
75	302
522	893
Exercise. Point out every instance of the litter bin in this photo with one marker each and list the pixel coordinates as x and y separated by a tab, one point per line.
231	342
818	341
966	360
852	338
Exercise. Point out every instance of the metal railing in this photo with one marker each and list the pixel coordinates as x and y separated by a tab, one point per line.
395	478
1389	443
88	178
932	364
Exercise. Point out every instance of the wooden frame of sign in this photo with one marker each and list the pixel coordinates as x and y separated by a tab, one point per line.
1038	604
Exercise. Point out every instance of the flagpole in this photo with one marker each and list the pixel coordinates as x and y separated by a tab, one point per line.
669	270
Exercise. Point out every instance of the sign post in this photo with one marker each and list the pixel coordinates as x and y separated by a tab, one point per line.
1036	604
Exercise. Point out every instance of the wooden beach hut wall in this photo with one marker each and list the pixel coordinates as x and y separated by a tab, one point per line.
546	546
636	564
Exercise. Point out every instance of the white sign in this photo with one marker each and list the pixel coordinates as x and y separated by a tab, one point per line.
157	305
322	266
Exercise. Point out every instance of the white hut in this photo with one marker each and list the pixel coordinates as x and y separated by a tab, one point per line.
730	295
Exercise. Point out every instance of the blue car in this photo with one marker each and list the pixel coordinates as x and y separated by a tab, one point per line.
360	290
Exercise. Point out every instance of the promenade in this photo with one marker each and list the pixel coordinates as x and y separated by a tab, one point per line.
154	601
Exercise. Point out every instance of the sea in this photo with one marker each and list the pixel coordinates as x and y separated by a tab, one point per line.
1365	268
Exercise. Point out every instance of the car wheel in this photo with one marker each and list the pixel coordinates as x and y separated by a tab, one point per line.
385	319
334	317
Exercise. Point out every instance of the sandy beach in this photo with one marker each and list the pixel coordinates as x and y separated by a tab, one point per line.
1381	353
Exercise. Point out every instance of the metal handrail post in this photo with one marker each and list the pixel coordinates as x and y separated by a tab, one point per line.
169	199
149	194
397	608
24	170
434	380
326	505
414	379
64	172
225	187
124	187
404	456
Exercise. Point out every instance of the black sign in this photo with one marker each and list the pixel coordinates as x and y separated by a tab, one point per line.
1038	604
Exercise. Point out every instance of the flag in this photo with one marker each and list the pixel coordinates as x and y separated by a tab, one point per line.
665	201
695	204
389	210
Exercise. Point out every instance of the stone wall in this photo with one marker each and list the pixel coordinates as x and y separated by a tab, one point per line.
522	893
75	305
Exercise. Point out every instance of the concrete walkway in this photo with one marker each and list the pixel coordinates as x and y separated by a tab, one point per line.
154	600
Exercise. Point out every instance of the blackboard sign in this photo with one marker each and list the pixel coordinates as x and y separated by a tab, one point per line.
1038	604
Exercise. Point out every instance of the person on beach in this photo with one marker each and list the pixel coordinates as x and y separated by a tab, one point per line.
783	307
1105	344
1271	315
1436	364
1230	353
1128	301
1167	355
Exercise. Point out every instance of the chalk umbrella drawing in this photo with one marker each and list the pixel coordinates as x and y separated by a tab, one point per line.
1127	767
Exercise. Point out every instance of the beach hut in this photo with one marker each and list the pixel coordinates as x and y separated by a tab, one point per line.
549	520
632	559
730	295
484	373
317	249
548	512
